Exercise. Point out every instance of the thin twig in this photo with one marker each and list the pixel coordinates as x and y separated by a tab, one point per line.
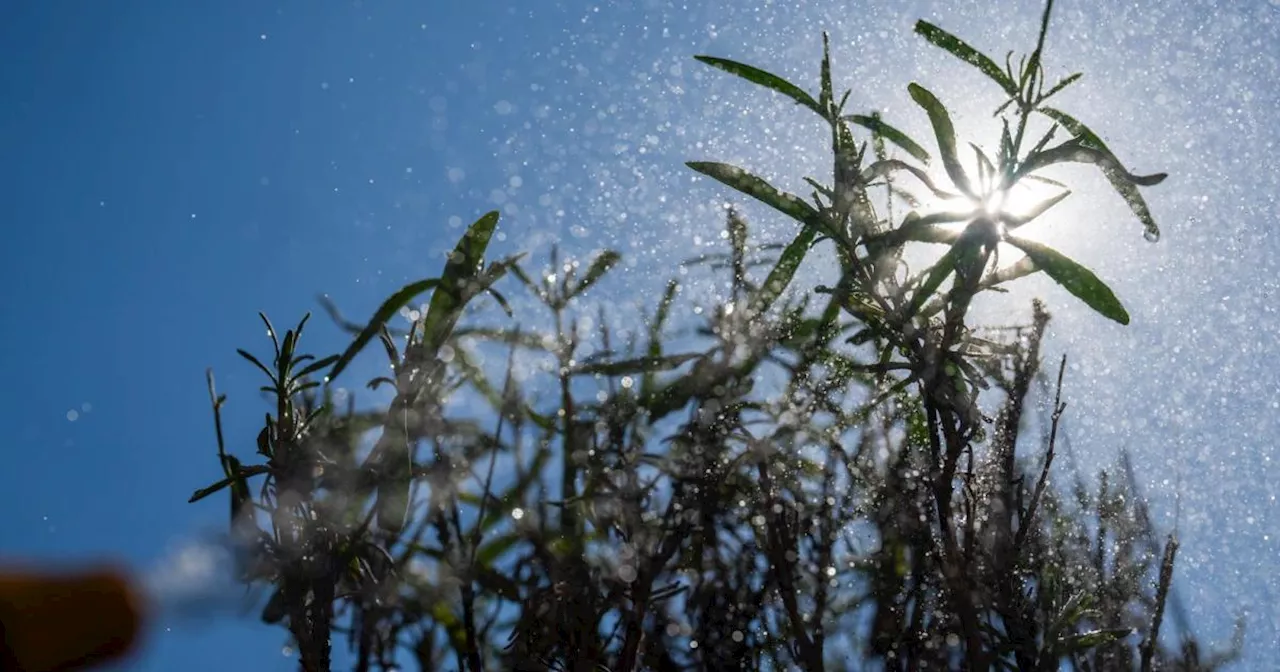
1028	520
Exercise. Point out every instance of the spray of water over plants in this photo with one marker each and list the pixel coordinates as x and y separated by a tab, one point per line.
821	477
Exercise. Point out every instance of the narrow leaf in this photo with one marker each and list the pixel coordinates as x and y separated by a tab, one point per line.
875	125
783	271
940	271
495	548
1072	151
946	135
599	266
887	167
380	317
768	80
757	188
257	363
316	366
502	301
958	48
244	472
637	365
1061	85
1073	277
1126	189
827	96
464	264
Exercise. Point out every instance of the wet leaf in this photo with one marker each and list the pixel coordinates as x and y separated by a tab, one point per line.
1060	86
385	312
316	366
1074	151
502	301
757	188
780	277
961	50
826	96
1073	277
945	133
275	609
495	548
1126	189
939	273
766	79
262	367
877	126
599	266
1091	639
244	472
498	583
889	166
453	292
637	365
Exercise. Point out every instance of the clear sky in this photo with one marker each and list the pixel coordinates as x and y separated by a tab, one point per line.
170	168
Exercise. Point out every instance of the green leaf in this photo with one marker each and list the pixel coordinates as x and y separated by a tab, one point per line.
986	170
1073	277
262	367
782	273
275	609
496	548
1126	189
637	365
244	472
498	583
271	331
958	48
449	298
1018	269
502	301
768	80
940	271
264	442
599	266
757	188
1061	85
1091	639
316	366
920	229
888	166
656	325
875	125
827	96
380	317
946	134
1073	151
240	495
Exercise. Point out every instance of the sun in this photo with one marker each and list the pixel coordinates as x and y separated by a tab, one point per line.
1022	209
1020	200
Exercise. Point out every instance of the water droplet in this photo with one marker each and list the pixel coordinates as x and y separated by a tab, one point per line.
73	415
1152	235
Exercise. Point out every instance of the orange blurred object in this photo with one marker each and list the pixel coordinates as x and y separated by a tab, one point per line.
61	621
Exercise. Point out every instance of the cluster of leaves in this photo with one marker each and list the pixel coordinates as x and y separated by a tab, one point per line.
812	483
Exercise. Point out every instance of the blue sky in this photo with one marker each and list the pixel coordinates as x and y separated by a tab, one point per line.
172	168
